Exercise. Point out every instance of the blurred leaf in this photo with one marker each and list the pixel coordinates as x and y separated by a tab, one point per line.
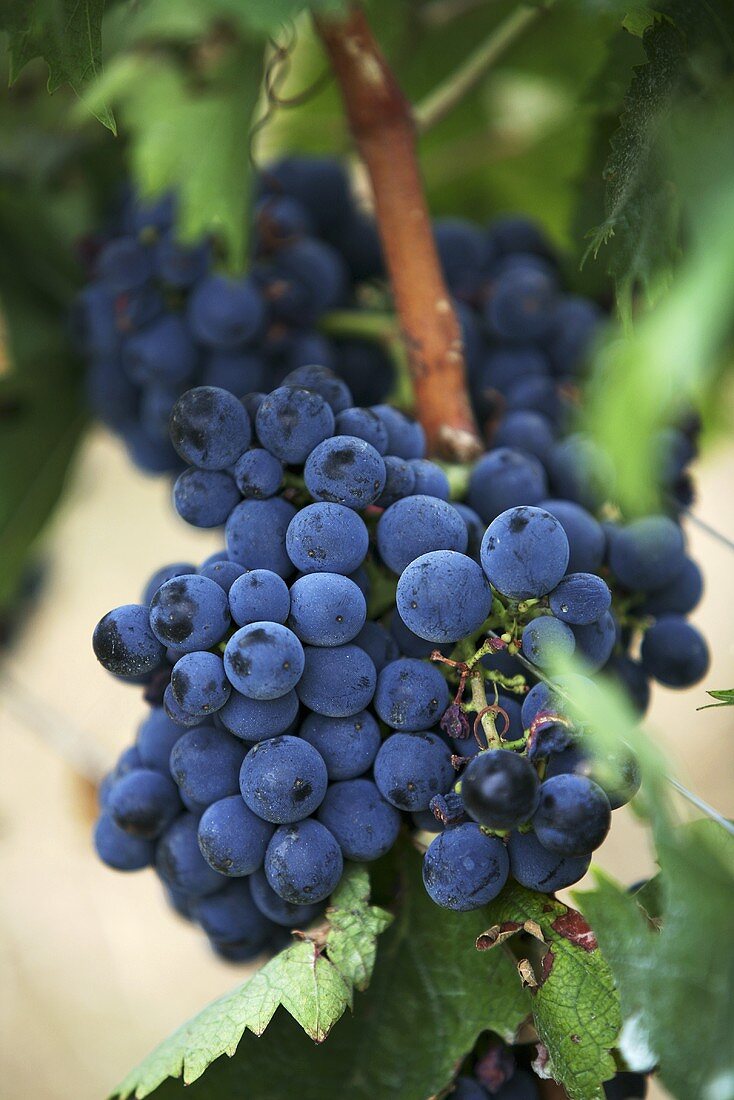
189	132
682	971
429	998
41	409
67	34
313	980
572	996
726	697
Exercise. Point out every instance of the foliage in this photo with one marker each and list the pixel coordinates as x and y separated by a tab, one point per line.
427	1002
725	697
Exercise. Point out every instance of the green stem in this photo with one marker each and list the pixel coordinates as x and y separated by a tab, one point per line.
361	325
478	704
451	91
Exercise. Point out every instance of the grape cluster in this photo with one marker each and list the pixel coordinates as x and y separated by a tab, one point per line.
288	733
157	318
496	1071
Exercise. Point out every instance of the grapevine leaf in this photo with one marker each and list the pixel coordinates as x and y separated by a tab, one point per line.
726	698
680	970
191	135
570	987
429	998
67	34
313	980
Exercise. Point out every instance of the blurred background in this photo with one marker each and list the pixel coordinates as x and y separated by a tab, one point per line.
96	968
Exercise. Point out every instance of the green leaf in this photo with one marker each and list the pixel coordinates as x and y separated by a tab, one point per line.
313	980
67	34
190	133
726	697
572	996
429	998
681	971
40	400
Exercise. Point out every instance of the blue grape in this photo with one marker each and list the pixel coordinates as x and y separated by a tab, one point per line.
205	763
367	369
580	599
647	554
462	249
573	815
125	264
466	1088
119	849
323	381
209	428
475	528
231	916
524	553
405	436
175	569
536	868
399	481
504	479
224	573
175	712
179	862
327	538
258	719
615	771
679	596
674	653
225	313
430	480
410	695
501	368
291	422
163	353
138	307
124	644
258	474
283	779
205	498
580	471
310	277
276	908
259	595
155	214
232	839
236	371
280	220
408	643
516	233
536	393
345	470
464	868
303	863
256	534
364	824
427	821
157	735
525	431
410	768
586	538
500	789
521	1086
178	265
595	642
363	424
413	526
348	746
548	642
631	676
319	184
378	644
575	323
199	684
263	660
521	303
337	681
327	609
189	613
443	596
144	802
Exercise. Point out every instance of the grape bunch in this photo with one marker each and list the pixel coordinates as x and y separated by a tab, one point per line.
157	318
287	733
496	1071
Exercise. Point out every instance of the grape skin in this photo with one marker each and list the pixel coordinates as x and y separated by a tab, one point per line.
464	869
421	596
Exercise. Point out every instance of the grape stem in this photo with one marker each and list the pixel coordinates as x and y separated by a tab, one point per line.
382	125
485	713
465	78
